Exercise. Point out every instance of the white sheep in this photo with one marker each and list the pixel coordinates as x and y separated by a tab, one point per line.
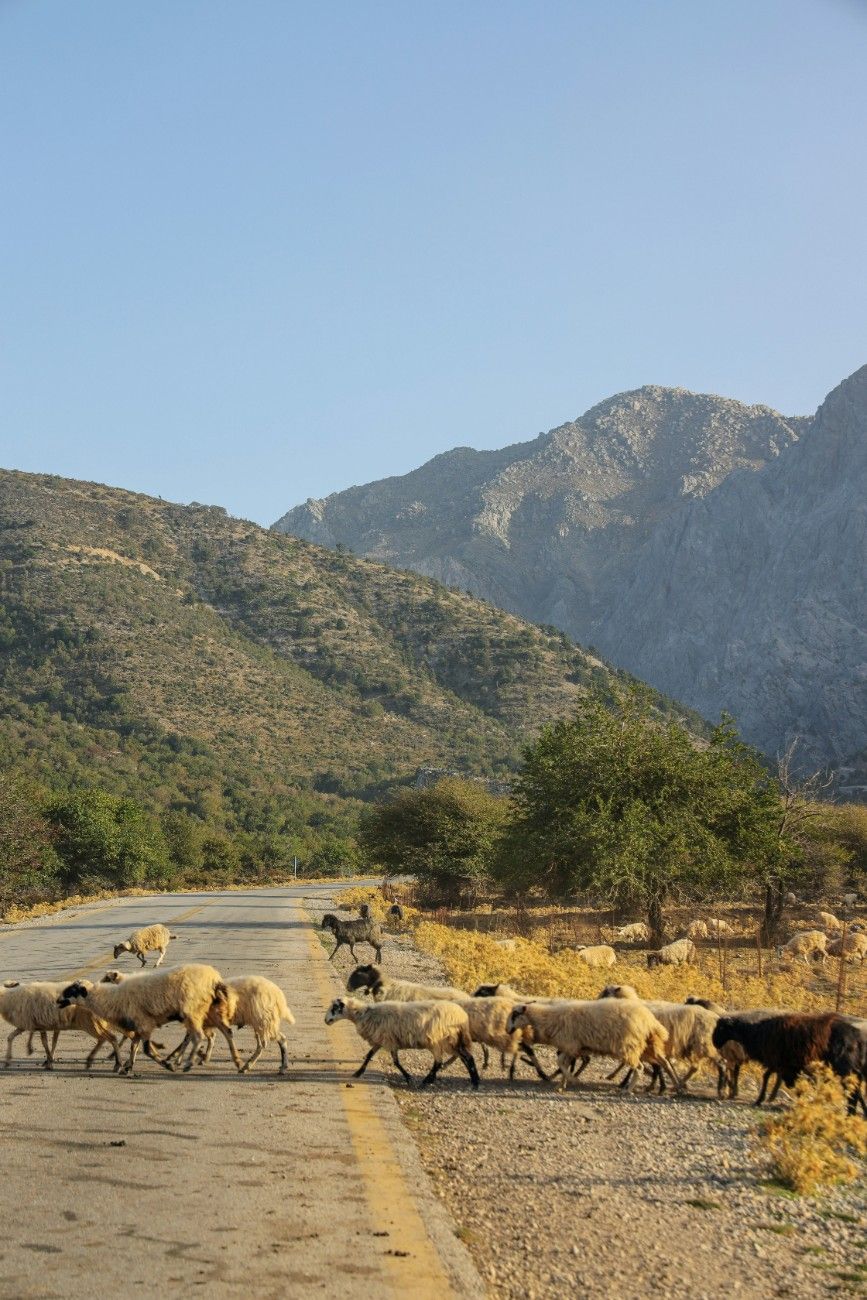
717	927
829	923
141	1003
441	1028
680	953
32	1008
697	930
849	900
807	944
854	949
635	932
488	1019
690	1029
150	938
258	1003
624	1030
600	956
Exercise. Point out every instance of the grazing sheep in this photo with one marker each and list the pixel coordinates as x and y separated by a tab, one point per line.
854	948
441	1028
396	912
150	938
785	1044
829	922
507	945
600	956
717	927
808	944
697	930
625	1030
33	1008
636	932
679	953
690	1034
255	1002
352	932
792	899
383	988
141	1003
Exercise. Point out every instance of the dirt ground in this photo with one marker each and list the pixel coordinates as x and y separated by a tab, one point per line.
615	1195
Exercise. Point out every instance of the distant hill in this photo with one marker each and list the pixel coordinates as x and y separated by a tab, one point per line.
714	549
198	661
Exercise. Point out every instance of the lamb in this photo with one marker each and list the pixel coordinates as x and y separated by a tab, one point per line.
141	1003
853	948
829	922
625	1030
386	989
352	932
785	1044
636	932
150	938
680	953
808	944
600	956
690	1034
441	1028
33	1008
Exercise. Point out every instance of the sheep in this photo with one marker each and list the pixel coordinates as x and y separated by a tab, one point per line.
364	911
141	1003
847	1055
488	1018
849	900
257	1002
853	948
679	953
784	1043
33	1008
441	1028
792	899
829	922
600	956
808	944
716	927
636	932
733	1055
690	1033
150	938
396	912
353	932
697	930
386	989
624	1030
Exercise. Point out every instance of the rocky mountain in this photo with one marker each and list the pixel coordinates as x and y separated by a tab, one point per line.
193	660
715	549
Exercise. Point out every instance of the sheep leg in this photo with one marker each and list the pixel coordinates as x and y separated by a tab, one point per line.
469	1062
678	1083
9	1041
177	1052
129	1068
261	1044
764	1088
30	1038
142	958
735	1079
585	1061
378	952
531	1059
205	1052
339	944
775	1089
433	1071
614	1073
365	1063
284	1056
226	1031
159	960
626	1081
486	1059
195	1033
409	1079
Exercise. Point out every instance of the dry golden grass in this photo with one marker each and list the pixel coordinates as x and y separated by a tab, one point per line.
471	958
813	1142
352	899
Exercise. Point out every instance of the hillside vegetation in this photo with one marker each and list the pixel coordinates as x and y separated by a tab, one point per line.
259	684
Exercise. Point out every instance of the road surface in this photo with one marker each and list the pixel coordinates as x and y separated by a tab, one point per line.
261	1185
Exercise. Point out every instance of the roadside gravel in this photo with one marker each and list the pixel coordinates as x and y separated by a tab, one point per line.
613	1195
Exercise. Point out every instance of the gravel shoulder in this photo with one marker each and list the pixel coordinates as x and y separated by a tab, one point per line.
613	1194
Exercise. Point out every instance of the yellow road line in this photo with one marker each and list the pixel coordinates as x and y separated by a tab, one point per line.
419	1271
105	959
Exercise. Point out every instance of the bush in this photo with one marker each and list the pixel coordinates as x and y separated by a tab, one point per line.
812	1143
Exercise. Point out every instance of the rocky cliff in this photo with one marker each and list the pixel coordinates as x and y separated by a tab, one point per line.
713	548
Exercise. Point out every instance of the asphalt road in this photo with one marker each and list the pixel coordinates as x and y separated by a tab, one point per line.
259	1185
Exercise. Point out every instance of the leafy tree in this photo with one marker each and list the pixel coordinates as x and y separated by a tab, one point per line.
621	803
27	858
106	840
445	835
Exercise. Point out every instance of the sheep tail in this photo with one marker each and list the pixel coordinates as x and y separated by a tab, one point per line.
658	1041
220	995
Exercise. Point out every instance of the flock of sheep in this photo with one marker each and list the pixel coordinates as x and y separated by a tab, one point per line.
638	1035
133	1007
396	1015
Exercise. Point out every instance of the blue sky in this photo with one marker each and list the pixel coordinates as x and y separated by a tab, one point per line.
255	252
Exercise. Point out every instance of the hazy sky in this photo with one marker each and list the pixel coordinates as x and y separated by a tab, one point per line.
253	252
